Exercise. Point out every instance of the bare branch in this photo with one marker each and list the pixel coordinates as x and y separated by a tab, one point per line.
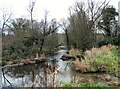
95	9
30	10
6	19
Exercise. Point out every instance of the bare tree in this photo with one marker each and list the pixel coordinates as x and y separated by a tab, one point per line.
64	24
3	24
83	23
30	10
47	29
94	11
5	19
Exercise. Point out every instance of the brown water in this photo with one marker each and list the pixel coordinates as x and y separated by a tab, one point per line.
41	75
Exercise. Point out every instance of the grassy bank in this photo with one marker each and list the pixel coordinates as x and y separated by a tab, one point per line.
105	58
85	84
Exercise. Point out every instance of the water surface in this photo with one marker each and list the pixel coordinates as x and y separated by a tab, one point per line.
41	75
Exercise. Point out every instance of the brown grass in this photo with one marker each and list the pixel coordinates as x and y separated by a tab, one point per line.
91	56
74	52
96	51
82	66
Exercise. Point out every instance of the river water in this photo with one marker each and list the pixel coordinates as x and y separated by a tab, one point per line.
40	75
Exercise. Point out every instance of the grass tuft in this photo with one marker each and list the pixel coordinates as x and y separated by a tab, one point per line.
101	59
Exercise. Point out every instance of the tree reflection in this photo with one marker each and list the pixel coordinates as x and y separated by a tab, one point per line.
39	75
5	79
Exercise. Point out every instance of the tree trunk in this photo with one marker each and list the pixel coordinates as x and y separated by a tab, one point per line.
67	39
108	32
42	43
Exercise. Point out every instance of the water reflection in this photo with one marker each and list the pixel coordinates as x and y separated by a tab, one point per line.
35	75
49	74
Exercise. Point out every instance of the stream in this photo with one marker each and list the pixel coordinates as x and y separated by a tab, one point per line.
40	75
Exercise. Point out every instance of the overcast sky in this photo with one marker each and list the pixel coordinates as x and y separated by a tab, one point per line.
57	8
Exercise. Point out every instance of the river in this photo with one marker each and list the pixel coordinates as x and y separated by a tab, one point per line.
40	75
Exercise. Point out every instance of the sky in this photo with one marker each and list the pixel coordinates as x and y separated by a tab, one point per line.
56	8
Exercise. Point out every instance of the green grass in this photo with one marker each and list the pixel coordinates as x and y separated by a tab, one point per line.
116	55
105	58
92	84
107	61
86	84
68	84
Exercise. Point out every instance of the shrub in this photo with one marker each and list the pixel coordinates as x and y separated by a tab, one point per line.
103	59
106	60
83	66
74	52
102	42
114	41
4	63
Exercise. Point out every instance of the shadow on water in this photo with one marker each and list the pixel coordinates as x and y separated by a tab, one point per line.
49	74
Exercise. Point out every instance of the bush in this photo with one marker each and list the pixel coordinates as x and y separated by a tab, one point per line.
106	60
4	63
103	59
102	42
114	41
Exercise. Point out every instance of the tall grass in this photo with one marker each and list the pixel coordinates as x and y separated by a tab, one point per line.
105	58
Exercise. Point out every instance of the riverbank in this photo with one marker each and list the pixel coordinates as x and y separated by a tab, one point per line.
103	59
28	60
61	77
97	60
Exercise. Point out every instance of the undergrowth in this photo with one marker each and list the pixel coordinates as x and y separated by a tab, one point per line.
105	58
